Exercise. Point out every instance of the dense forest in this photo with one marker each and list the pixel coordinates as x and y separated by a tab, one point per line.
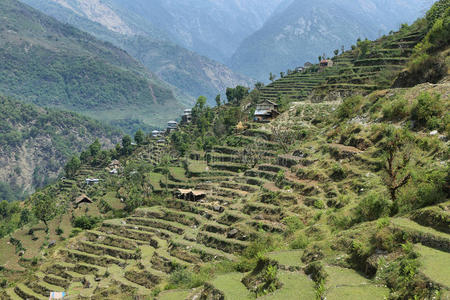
56	65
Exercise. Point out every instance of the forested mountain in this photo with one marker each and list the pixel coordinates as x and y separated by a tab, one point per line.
304	30
141	28
51	64
35	143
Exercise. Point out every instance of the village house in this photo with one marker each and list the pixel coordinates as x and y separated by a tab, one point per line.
172	126
113	167
90	181
115	164
156	133
266	111
190	195
187	116
326	63
82	199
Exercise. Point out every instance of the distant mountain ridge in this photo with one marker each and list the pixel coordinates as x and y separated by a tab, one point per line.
131	26
35	143
304	30
55	65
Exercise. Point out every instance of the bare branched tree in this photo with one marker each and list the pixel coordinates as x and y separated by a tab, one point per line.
253	153
397	159
283	135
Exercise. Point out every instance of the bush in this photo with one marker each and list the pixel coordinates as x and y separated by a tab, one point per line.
372	207
262	244
279	179
3	283
349	107
316	271
75	232
293	223
385	239
183	278
425	110
300	242
59	231
338	172
396	109
85	222
428	187
319	204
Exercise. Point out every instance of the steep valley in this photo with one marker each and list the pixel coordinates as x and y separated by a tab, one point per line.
36	143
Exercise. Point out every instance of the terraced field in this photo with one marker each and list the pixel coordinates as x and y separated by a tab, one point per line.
263	220
350	74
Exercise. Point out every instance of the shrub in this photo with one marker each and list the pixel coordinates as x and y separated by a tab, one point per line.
349	107
359	253
385	239
396	109
59	231
372	207
183	278
426	108
340	222
293	223
75	232
428	187
300	242
85	222
316	271
3	283
319	204
279	179
262	244
338	172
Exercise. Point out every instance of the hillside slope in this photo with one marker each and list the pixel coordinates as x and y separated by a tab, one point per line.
51	64
129	27
305	30
337	197
35	143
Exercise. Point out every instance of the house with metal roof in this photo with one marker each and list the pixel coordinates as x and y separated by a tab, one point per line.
266	111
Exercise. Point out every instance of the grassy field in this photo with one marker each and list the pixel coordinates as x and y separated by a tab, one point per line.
174	295
295	286
435	264
288	257
230	284
345	283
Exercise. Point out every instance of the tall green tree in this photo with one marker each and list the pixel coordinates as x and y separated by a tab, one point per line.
139	137
126	145
95	148
218	100
44	208
272	77
165	164
235	95
72	167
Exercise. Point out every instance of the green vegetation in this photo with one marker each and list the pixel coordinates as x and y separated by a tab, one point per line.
55	65
427	64
28	133
341	199
44	208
